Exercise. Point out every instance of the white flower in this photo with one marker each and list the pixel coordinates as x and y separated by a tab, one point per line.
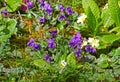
81	19
84	43
106	6
63	64
93	42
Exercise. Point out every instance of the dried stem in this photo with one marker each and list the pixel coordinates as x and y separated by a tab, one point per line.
20	15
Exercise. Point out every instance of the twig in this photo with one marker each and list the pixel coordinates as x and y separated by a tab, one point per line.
20	15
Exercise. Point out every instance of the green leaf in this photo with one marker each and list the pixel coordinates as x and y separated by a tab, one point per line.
41	63
117	72
11	27
102	45
71	59
79	66
102	61
1	66
110	38
115	29
91	20
61	26
0	16
114	10
117	52
93	15
93	6
12	5
106	18
4	37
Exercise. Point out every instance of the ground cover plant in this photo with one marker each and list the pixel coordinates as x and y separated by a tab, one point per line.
59	41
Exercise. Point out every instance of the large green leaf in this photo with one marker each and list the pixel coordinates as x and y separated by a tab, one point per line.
114	10
12	5
93	6
91	20
93	15
110	38
106	18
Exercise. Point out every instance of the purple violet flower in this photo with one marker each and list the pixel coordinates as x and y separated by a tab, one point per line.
51	43
30	42
53	34
78	52
4	4
90	49
69	11
48	9
47	58
42	19
4	12
35	46
61	8
30	4
42	3
76	41
62	17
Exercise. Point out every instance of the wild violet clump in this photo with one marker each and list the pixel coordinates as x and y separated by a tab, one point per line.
35	46
53	15
81	47
51	44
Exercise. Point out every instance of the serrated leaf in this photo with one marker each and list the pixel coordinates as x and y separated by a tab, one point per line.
91	20
106	18
93	6
114	11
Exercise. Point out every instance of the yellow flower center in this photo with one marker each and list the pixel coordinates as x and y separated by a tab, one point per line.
62	66
94	41
83	19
